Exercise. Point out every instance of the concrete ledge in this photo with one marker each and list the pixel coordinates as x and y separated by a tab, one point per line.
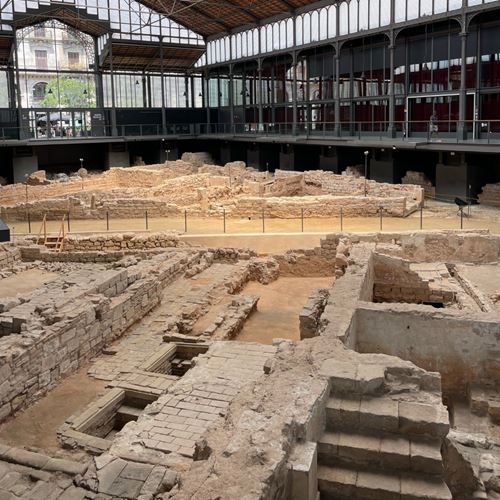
42	462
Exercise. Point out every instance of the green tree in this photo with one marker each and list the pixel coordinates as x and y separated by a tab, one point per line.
68	92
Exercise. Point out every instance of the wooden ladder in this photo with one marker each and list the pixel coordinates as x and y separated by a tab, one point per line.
53	242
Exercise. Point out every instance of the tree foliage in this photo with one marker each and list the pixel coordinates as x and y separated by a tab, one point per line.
68	92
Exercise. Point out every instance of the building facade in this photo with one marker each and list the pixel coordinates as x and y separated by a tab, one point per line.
414	82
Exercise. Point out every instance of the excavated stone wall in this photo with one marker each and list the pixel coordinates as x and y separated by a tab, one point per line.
318	206
458	342
8	255
457	345
420	179
349	185
60	334
169	189
490	195
115	242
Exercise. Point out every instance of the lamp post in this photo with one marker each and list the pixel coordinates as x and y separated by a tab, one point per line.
26	185
27	208
469	201
167	151
81	173
366	170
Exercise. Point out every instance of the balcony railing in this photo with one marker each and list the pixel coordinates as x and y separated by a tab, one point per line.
482	131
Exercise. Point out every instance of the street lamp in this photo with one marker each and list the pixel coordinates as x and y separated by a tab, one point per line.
366	170
167	151
81	173
26	185
469	201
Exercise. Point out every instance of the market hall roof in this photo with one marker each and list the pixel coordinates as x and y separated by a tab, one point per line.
214	17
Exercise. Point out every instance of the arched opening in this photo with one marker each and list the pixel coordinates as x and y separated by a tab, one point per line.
39	91
57	79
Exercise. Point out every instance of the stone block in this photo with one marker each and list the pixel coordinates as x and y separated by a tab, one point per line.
303	470
423	419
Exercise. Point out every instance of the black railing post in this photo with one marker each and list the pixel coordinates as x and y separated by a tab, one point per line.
461	218
29	222
147	221
185	221
381	216
69	223
107	220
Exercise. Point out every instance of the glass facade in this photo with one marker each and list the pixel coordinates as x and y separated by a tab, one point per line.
332	67
55	67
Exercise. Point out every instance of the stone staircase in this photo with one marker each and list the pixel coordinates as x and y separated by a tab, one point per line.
378	446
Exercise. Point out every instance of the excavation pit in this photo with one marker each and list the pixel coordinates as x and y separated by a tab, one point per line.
95	428
176	359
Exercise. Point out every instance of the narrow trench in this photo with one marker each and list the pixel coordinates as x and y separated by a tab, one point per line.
277	314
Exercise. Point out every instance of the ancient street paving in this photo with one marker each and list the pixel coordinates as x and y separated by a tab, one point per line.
182	303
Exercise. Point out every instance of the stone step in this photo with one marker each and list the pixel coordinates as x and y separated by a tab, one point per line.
383	414
381	451
129	412
350	378
340	483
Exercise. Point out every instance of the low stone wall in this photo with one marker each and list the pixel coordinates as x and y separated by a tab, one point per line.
420	179
490	195
459	346
478	246
318	206
112	179
309	317
9	255
32	364
291	185
349	185
116	242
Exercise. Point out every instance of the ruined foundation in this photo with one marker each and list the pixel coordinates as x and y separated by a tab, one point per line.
367	367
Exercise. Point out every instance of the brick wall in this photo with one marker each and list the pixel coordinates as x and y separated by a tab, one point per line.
318	206
32	364
8	255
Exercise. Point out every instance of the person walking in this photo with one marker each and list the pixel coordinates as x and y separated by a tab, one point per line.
433	125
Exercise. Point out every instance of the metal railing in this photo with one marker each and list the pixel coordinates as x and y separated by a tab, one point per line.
259	221
441	130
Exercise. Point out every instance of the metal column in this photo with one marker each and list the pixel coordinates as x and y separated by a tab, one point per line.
337	128
260	94
294	92
163	110
391	129
114	130
462	109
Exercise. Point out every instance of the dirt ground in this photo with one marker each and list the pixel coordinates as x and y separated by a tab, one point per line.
436	215
35	428
485	277
25	282
280	303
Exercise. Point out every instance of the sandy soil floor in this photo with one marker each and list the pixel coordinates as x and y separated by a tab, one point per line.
35	428
25	282
280	303
485	277
436	215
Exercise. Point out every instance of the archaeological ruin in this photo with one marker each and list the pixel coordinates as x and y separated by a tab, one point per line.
250	250
150	365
